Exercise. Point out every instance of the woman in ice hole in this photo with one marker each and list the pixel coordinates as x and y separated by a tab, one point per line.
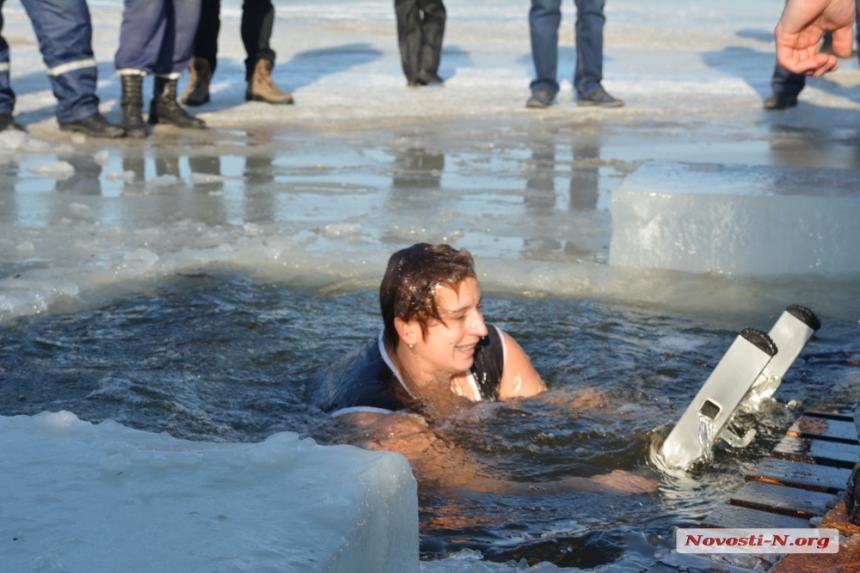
435	353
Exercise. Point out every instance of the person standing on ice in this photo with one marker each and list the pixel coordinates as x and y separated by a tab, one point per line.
544	20
434	355
155	38
420	27
258	18
64	30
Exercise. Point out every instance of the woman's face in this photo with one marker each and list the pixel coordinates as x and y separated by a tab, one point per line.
449	346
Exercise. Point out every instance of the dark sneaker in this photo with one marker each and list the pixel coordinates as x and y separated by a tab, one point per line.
429	78
540	99
7	122
780	101
95	126
600	98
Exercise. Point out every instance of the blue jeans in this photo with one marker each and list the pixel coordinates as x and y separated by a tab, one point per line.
64	31
157	36
544	20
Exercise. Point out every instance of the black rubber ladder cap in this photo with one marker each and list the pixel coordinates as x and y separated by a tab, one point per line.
760	340
804	315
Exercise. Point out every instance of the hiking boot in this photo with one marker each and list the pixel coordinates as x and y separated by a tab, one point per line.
7	122
131	110
197	91
165	109
600	98
780	101
540	99
261	86
94	126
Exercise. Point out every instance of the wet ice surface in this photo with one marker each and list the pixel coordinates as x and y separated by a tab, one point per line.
190	282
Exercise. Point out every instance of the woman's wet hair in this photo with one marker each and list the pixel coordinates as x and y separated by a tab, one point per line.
408	289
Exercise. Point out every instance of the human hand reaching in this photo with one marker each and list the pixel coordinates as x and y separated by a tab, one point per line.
801	27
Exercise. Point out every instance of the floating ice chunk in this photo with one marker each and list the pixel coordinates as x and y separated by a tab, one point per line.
12	139
676	344
113	464
166	180
252	230
26	248
203	178
127	176
37	145
79	139
341	229
59	170
81	210
62	423
101	157
147	257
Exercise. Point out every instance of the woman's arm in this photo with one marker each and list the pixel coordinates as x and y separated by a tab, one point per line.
519	379
438	462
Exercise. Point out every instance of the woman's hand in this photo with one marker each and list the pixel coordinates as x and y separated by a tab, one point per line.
620	481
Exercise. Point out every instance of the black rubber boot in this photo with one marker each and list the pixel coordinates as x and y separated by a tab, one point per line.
94	125
7	121
131	113
165	108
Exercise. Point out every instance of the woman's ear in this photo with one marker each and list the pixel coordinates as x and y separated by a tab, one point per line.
406	331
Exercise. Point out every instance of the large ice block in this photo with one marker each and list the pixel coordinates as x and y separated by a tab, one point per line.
738	220
84	497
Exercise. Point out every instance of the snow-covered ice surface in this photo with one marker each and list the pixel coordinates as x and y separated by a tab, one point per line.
320	193
73	491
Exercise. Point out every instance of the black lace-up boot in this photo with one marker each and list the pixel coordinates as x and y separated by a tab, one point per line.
131	113
165	108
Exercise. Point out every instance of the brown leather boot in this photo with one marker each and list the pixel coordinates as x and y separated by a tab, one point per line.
261	87
197	92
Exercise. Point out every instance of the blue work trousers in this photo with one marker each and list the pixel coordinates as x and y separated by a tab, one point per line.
544	20
64	31
157	36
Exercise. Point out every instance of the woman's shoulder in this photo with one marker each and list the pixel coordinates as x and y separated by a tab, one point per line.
359	380
489	365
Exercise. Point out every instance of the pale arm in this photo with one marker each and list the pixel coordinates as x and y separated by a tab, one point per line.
520	379
801	27
437	462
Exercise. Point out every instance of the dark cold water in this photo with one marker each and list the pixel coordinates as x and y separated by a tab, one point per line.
224	357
